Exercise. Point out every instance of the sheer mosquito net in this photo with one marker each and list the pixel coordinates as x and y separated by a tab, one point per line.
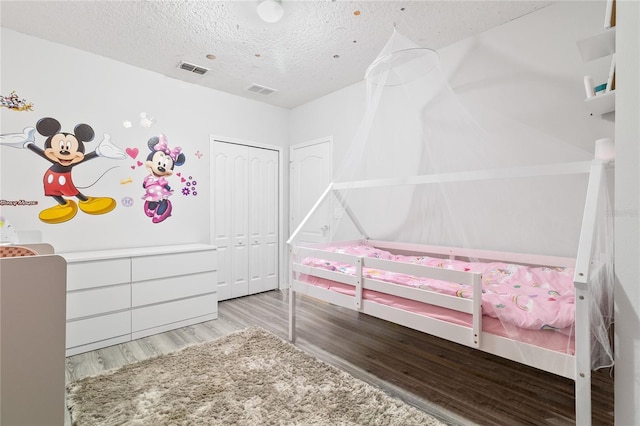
421	170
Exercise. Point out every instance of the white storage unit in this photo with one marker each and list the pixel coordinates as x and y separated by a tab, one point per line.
114	296
32	309
245	218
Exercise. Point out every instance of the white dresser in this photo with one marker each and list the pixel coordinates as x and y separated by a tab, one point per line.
114	296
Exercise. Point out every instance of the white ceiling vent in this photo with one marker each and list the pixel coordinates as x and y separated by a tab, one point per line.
192	68
262	90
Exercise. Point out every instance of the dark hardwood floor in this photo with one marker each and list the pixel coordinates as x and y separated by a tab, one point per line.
459	385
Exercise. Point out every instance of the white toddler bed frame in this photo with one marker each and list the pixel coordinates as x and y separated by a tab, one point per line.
576	367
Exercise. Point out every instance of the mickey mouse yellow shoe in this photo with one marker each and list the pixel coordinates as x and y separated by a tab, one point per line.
59	213
97	205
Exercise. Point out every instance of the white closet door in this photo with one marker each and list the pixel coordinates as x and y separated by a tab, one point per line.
230	220
263	220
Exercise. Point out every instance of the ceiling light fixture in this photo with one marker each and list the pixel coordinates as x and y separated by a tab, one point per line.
270	11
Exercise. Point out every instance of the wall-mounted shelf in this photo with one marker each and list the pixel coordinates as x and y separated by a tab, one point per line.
599	45
601	104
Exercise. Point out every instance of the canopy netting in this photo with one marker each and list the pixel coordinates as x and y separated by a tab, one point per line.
421	170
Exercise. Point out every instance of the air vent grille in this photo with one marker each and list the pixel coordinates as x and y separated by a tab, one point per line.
261	90
192	68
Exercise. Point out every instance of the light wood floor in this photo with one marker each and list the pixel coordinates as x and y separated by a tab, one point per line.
459	385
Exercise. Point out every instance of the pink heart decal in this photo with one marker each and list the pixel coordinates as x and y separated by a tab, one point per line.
133	167
178	174
139	163
183	180
133	152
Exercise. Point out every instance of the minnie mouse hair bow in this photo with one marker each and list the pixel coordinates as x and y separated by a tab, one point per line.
164	147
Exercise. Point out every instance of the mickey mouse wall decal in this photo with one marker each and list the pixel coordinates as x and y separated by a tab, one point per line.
65	151
160	163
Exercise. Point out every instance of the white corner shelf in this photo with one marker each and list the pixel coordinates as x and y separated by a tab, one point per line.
598	46
601	104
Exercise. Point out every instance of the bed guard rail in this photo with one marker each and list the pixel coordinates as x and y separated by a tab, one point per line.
361	282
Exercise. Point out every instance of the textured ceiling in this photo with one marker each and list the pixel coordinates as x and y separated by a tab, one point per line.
318	46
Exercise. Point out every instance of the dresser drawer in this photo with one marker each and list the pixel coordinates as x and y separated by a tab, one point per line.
98	301
98	273
167	313
165	289
90	330
167	265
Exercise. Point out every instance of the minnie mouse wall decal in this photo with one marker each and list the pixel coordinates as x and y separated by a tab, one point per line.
160	163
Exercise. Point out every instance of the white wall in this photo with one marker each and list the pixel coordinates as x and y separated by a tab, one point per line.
627	215
79	87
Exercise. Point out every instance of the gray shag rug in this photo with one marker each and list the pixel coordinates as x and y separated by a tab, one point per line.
250	377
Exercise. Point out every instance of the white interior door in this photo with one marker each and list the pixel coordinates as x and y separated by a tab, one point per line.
263	219
310	174
230	217
245	224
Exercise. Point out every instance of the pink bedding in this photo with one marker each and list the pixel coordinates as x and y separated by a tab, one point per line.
533	298
548	338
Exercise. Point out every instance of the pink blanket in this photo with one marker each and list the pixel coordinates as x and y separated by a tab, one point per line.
527	297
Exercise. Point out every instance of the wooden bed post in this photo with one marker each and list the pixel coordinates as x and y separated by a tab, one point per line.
292	301
583	295
583	358
477	309
359	276
292	314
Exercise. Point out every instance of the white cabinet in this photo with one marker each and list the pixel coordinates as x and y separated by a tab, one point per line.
114	296
172	314
172	290
32	309
98	301
94	332
245	218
